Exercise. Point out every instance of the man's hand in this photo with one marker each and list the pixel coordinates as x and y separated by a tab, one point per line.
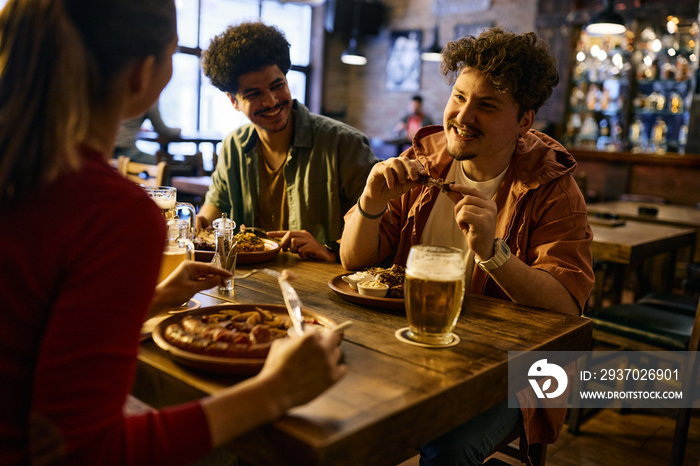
391	178
303	243
207	214
187	279
201	222
476	216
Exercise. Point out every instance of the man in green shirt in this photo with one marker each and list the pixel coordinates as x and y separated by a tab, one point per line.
289	171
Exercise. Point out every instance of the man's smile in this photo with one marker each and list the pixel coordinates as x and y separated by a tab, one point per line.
465	133
272	112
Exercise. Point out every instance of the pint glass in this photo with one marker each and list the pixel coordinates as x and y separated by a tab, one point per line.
166	199
433	292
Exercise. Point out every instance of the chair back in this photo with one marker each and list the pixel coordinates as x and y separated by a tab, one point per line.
143	173
119	164
183	165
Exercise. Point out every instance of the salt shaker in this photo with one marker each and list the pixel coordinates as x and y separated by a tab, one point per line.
226	251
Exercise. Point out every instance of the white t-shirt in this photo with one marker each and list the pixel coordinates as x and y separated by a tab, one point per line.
441	228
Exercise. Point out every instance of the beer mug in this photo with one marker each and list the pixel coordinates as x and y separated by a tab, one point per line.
433	292
166	199
178	248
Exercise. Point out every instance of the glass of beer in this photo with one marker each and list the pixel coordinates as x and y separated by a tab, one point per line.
433	292
166	199
178	248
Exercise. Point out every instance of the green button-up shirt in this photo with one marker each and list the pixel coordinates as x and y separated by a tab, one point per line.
326	170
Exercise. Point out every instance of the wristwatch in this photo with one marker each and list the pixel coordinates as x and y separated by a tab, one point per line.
501	253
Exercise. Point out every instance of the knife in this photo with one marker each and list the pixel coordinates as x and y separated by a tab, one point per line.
291	300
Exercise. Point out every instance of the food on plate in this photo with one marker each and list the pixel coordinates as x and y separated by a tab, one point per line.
204	240
228	333
249	242
393	277
426	180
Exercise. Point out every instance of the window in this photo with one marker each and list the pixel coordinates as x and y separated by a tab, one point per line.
189	101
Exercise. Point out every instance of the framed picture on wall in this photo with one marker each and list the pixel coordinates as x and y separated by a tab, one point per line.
464	30
403	66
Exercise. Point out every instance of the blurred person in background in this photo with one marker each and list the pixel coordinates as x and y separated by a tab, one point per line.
125	143
414	120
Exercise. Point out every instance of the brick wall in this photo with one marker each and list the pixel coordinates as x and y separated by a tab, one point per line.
357	94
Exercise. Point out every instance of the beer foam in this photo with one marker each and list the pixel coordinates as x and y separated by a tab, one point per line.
164	202
437	269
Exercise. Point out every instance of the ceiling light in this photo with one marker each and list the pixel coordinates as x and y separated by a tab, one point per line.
434	52
352	55
606	21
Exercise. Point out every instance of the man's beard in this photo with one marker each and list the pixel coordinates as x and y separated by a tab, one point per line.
282	105
459	156
455	154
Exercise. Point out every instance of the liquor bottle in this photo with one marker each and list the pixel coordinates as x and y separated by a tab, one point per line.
637	136
658	136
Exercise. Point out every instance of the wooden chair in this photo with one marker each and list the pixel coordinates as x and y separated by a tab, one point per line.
645	327
183	165
119	164
142	173
194	187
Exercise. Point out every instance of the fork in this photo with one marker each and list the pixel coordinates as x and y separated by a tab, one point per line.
270	272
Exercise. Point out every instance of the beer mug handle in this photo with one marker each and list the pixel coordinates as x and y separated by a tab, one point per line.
193	214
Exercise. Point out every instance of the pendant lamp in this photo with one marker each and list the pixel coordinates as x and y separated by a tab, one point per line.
606	21
434	52
352	55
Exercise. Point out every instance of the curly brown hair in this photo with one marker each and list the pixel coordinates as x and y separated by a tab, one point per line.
249	46
519	64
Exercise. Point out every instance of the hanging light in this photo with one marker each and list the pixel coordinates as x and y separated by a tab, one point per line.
434	52
606	21
352	55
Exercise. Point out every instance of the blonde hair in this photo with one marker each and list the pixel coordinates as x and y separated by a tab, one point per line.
43	95
58	62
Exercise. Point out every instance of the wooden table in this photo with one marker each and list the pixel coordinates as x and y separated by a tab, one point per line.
195	185
667	214
630	246
395	396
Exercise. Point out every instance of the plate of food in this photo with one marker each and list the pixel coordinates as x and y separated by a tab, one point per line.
229	338
251	248
349	286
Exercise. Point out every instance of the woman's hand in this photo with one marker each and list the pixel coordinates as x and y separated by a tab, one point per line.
300	368
187	279
296	371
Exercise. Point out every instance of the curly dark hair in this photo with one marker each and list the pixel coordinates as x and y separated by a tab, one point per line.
249	46
519	64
